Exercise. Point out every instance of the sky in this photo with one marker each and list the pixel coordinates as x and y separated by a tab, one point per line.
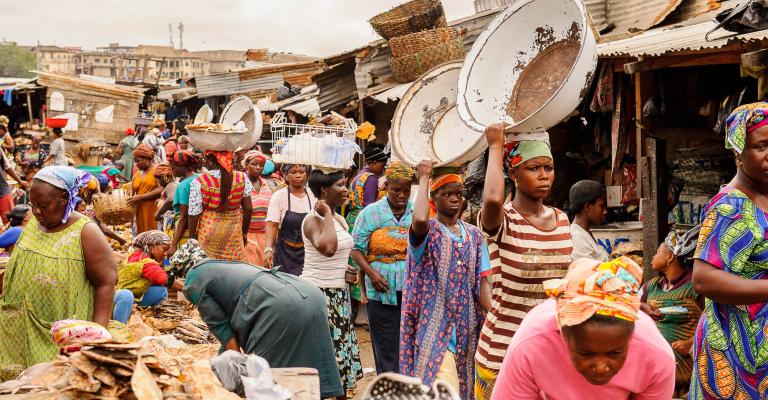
311	27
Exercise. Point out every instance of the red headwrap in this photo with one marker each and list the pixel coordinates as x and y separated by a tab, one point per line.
437	183
224	158
186	158
129	132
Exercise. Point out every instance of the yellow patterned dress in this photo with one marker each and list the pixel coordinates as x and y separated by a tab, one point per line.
45	282
731	343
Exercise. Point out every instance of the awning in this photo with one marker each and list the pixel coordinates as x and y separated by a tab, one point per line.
392	94
656	42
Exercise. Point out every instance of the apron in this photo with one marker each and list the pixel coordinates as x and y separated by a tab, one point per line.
289	250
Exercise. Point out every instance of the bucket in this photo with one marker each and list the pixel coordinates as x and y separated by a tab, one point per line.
426	124
530	68
239	109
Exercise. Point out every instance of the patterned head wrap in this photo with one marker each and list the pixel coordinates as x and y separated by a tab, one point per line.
187	257
399	170
163	170
253	154
683	245
145	240
223	158
743	120
593	288
144	151
187	159
516	153
69	179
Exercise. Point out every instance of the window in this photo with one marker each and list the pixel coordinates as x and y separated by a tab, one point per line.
96	60
187	63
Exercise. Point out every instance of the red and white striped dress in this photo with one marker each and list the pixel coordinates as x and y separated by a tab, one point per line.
522	258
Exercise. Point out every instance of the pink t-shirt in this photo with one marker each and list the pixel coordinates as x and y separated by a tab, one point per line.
537	365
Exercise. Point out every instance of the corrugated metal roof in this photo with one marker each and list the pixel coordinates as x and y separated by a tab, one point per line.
307	108
690	9
230	83
307	93
631	16
178	94
597	10
337	86
660	41
391	94
50	79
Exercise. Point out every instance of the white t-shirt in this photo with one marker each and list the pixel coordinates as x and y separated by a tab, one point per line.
278	205
327	272
58	150
585	246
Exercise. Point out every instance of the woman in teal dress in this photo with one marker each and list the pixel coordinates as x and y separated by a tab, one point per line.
272	314
731	270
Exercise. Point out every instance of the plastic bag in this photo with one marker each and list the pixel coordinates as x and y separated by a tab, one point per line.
247	375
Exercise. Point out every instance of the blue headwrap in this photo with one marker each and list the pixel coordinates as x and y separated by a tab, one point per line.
69	179
269	168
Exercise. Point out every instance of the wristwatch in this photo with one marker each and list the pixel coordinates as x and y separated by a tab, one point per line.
268	250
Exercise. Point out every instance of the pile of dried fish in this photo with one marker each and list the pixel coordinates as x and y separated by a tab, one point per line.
180	319
108	370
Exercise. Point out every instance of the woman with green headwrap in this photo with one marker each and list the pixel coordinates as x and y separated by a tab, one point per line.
528	242
730	270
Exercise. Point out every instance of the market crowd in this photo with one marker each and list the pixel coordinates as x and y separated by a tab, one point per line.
521	303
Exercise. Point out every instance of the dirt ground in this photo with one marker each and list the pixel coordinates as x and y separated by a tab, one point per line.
366	357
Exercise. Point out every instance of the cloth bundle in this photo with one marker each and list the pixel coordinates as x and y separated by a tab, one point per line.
70	334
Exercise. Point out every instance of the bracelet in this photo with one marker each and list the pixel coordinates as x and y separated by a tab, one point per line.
268	250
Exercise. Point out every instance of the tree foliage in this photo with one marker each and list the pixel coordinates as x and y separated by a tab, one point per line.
15	61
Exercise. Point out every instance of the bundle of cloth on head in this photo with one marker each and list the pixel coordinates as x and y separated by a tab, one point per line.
187	256
223	158
440	178
164	170
743	120
398	170
187	159
253	154
516	153
375	152
146	240
593	288
143	150
69	179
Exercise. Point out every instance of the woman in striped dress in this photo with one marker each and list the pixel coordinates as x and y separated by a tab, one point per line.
672	301
253	162
529	243
220	208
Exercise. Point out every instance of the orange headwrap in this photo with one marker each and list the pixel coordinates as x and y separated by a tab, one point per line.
164	170
144	151
438	182
224	158
594	288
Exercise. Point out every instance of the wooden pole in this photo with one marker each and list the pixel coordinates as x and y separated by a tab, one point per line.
160	72
655	205
144	70
29	107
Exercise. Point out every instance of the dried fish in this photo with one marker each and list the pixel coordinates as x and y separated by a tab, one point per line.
95	356
143	383
103	375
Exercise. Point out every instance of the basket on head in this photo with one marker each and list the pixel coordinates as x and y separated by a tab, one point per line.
113	208
420	52
413	16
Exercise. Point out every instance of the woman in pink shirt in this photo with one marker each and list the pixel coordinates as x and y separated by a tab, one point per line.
589	341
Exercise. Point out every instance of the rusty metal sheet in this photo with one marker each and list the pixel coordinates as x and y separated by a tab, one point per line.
633	16
337	86
661	41
598	11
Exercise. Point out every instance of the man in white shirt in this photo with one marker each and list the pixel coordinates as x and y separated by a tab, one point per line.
588	205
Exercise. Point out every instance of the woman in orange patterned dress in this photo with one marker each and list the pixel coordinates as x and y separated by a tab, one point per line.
145	189
220	208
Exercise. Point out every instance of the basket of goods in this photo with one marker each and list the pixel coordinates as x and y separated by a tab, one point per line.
326	142
529	68
413	16
239	127
416	53
113	208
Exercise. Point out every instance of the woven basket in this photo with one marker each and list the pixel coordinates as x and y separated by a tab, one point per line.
413	43
410	67
113	208
413	16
